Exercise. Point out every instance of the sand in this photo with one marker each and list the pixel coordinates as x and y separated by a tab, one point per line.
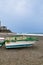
23	56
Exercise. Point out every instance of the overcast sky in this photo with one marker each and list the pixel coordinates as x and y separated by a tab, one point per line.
22	15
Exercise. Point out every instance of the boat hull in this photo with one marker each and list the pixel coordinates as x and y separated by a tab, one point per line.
2	43
18	45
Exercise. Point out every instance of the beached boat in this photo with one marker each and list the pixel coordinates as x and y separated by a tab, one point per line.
19	41
2	41
19	44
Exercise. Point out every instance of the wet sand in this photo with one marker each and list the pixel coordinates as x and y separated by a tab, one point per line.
23	56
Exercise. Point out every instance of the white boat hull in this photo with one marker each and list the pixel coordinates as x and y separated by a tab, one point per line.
19	44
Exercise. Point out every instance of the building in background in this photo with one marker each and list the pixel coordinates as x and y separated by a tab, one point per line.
3	29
